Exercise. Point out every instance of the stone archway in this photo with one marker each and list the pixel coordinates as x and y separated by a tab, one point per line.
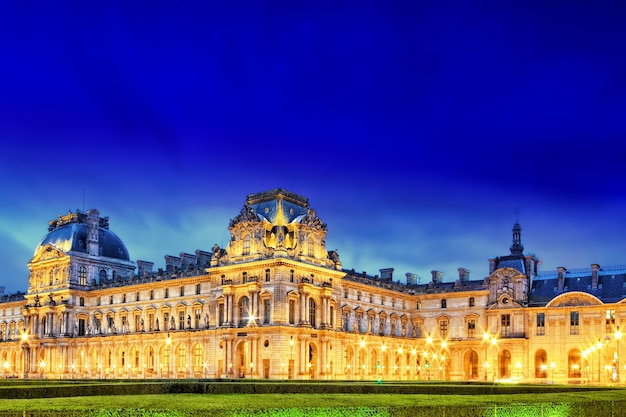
312	360
471	365
504	364
541	364
574	364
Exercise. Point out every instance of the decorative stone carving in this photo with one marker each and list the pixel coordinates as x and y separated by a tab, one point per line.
312	221
246	215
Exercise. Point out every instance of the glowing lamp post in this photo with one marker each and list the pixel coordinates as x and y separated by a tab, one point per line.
6	368
618	337
552	368
518	366
598	348
291	342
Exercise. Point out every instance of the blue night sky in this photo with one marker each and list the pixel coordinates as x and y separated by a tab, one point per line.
416	129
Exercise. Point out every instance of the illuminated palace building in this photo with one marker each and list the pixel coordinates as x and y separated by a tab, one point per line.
275	303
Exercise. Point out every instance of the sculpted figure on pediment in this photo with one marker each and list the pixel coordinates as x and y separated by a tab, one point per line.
246	215
311	220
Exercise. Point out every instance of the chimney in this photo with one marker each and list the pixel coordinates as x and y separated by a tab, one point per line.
411	279
203	258
93	227
144	267
386	274
188	261
463	274
171	263
561	279
492	265
437	276
595	272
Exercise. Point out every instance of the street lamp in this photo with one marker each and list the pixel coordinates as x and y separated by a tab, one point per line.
518	366
598	347
552	367
494	343
618	336
291	342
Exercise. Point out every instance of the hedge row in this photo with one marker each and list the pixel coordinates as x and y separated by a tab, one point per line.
79	388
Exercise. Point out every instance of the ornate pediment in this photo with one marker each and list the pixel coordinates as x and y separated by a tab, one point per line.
47	253
574	299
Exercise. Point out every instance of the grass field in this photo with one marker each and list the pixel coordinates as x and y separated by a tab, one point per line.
548	401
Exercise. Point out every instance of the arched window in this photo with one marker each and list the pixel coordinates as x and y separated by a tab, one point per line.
82	275
244	315
182	356
312	312
103	275
197	355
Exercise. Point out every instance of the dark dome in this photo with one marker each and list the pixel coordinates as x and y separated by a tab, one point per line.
73	237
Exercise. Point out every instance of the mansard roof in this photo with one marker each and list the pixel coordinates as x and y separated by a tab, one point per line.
610	288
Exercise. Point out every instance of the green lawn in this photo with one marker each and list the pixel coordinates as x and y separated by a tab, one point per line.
367	405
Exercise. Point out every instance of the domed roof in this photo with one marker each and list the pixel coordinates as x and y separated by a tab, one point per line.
71	235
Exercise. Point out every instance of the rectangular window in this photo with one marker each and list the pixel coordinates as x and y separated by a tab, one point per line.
573	322
443	329
81	327
471	301
198	289
182	291
471	328
137	323
181	320
151	322
292	311
197	314
267	310
505	321
610	321
541	324
221	314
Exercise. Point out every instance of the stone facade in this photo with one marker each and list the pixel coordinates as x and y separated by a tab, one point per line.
275	303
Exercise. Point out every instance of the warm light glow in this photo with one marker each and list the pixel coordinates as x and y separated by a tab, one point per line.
413	352
485	336
383	348
24	337
618	334
444	344
399	350
518	365
552	365
599	344
429	339
42	364
291	341
6	365
494	341
363	343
